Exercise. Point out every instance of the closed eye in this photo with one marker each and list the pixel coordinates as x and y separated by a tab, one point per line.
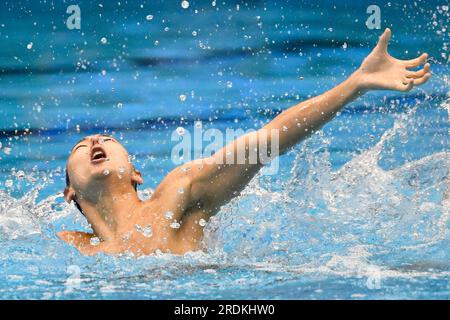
79	146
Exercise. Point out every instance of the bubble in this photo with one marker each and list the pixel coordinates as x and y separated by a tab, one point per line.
180	131
229	84
175	225
105	172
121	169
30	46
146	231
1	145
168	215
182	97
194	33
95	241
126	236
212	271
285	128
181	191
202	222
103	40
119	105
8	183
20	174
149	17
344	46
185	4
7	150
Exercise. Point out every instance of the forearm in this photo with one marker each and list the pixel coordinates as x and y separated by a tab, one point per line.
297	122
229	170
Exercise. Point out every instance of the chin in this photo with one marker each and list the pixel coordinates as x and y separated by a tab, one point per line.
103	169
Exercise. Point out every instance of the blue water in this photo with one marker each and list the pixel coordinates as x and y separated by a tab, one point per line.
359	210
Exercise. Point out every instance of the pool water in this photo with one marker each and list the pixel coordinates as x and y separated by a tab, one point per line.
360	210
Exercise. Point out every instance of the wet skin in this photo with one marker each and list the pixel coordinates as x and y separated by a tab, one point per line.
102	179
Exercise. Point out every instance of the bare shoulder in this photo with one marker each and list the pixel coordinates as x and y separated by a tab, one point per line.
80	240
180	177
180	190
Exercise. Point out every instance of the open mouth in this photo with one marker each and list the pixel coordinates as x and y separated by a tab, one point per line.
98	154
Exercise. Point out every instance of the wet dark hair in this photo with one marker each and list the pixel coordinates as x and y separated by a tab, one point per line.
74	200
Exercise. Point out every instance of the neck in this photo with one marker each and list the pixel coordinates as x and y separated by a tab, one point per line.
110	209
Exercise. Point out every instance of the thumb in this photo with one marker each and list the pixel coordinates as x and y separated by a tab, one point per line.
384	40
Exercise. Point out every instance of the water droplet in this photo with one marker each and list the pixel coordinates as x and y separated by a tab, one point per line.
182	97
175	225
95	241
103	40
212	271
180	131
7	150
168	215
194	33
126	236
30	46
20	174
105	172
121	169
181	191
119	105
185	4
202	222
344	46
285	128
229	84
146	231
149	17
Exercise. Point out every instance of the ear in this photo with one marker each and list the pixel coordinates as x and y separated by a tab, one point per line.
136	177
69	194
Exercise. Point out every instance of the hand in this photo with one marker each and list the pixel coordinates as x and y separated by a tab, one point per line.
380	71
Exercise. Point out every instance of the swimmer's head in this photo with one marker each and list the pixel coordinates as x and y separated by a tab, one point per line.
97	163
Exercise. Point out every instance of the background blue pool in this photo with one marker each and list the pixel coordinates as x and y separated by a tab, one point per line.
359	210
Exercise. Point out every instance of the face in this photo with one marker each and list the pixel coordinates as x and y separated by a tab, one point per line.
99	159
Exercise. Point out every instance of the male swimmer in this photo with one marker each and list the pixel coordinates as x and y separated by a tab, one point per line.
172	220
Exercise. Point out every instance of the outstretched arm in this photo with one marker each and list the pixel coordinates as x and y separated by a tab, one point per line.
213	181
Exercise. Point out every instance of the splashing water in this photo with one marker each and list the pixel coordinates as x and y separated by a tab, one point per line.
375	225
358	222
